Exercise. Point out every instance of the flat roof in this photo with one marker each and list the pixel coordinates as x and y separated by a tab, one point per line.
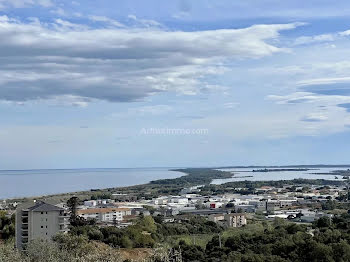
101	210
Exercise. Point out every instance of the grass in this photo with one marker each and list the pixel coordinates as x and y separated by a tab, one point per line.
202	239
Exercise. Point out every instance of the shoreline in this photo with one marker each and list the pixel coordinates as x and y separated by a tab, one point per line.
158	183
87	191
190	177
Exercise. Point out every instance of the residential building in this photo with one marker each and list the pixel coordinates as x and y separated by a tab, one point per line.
90	203
39	221
235	220
104	214
229	220
216	217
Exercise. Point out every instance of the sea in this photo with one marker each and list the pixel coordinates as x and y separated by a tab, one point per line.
32	183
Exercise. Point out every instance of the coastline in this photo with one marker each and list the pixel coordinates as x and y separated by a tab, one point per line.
20	184
190	177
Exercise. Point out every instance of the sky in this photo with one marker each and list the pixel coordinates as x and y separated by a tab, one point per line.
134	83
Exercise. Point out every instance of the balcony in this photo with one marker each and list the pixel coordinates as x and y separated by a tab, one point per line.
62	214
62	221
63	229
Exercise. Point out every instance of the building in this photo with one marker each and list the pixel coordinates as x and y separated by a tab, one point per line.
39	221
104	214
216	217
245	208
235	220
229	220
214	204
178	200
90	203
273	205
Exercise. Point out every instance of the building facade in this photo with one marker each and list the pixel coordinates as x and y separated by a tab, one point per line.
229	220
104	214
39	221
235	220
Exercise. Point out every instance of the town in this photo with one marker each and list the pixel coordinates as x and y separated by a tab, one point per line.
298	202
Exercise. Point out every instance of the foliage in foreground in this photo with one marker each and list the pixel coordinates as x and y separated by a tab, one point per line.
68	248
64	248
328	241
7	226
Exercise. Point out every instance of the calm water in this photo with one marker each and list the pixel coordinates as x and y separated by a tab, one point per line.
239	174
25	183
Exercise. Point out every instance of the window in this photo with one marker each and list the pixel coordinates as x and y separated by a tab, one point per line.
42	226
42	212
46	226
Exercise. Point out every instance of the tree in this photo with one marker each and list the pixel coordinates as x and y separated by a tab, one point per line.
230	205
7	225
72	204
323	222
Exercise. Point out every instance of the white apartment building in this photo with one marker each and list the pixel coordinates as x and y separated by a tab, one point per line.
178	200
160	201
104	214
39	221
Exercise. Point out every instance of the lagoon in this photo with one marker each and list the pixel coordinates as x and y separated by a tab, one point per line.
247	174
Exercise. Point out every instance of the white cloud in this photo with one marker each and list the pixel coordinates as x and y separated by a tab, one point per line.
152	110
105	19
24	3
323	38
309	98
315	39
42	61
181	15
322	81
63	25
59	11
144	22
314	117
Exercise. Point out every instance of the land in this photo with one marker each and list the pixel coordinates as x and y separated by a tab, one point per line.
187	217
280	169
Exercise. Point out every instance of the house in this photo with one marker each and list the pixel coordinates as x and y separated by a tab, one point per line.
39	220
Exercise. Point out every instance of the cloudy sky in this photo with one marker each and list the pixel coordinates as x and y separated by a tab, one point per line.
95	83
